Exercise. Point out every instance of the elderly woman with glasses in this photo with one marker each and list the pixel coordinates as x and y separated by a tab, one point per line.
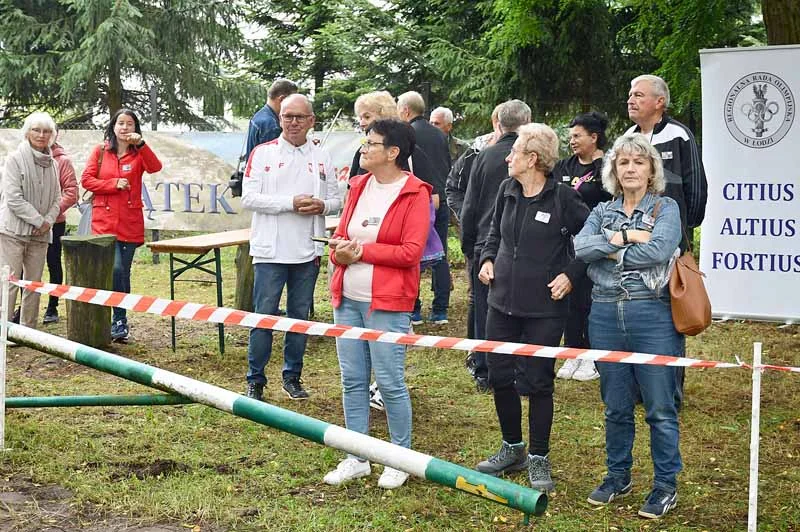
629	244
581	171
377	250
31	195
528	265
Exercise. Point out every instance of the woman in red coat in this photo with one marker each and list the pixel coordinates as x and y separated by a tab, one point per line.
114	174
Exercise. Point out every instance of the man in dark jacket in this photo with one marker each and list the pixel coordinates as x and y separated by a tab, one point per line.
488	171
265	124
684	174
411	107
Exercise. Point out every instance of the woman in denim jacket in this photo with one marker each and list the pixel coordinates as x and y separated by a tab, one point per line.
630	244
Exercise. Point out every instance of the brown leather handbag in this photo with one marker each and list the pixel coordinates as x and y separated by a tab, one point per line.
691	307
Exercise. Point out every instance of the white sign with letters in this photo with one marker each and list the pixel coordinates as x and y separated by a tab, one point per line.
750	246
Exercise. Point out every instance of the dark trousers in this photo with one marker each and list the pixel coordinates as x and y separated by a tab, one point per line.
440	272
480	308
576	331
54	262
511	376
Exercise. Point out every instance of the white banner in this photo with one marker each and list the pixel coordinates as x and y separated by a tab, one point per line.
750	248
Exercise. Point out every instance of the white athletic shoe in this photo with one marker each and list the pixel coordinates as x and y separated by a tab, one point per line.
348	469
586	371
375	397
392	478
568	369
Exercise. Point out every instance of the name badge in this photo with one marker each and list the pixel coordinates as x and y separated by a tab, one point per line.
648	221
566	178
372	220
666	155
126	167
543	217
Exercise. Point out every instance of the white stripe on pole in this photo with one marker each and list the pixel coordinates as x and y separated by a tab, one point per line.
755	421
378	451
6	273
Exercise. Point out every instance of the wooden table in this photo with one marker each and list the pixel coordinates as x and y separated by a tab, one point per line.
200	246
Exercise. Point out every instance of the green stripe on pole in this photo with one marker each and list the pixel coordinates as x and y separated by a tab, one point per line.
97	400
285	420
116	365
494	489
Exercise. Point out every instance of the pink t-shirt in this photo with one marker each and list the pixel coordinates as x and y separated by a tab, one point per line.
364	225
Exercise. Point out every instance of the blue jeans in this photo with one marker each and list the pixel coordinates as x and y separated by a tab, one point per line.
440	272
644	326
123	258
357	358
268	284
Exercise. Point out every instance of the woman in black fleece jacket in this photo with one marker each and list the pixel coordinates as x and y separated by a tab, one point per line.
528	263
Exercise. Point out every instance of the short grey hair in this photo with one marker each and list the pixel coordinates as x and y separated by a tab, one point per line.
660	87
633	144
302	97
413	100
512	114
446	113
42	120
541	140
381	103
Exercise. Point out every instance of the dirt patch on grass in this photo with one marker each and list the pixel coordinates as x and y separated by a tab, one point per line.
29	507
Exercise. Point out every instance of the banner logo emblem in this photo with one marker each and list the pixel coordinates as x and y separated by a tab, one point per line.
759	110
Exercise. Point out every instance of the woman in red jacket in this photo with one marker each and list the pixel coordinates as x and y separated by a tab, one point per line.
114	174
377	250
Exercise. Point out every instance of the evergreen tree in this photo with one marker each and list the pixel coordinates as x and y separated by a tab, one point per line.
81	58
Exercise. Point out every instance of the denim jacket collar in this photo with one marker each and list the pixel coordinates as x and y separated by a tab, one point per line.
645	205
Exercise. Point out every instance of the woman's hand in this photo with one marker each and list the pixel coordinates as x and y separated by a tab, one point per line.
348	251
635	236
486	275
134	138
560	287
42	229
122	184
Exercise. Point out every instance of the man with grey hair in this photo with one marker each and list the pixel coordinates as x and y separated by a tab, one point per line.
265	125
488	171
648	101
411	107
442	119
290	185
684	174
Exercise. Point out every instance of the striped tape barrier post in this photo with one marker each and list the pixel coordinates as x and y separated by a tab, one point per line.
229	316
524	499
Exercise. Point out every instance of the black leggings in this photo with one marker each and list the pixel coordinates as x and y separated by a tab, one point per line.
54	261
512	376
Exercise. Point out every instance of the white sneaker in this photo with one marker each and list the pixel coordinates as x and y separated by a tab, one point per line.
375	397
348	469
392	478
568	369
586	371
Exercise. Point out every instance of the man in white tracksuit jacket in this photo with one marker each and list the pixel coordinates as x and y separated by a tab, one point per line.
290	185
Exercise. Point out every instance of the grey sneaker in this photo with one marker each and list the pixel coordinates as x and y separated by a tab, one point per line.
508	459
539	473
611	489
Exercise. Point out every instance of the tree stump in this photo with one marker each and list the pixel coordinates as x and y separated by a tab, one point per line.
243	300
89	261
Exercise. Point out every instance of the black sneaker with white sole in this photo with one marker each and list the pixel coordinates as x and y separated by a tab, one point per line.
120	332
611	489
293	387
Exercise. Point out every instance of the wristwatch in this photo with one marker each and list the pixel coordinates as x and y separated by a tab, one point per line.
624	236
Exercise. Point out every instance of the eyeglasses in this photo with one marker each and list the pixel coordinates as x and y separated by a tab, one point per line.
40	131
515	151
366	144
295	118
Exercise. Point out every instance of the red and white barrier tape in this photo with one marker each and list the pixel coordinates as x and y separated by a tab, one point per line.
228	316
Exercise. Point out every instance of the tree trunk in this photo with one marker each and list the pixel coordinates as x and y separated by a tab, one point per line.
114	89
782	21
89	261
243	299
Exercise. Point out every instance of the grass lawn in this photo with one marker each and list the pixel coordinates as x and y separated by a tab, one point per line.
194	468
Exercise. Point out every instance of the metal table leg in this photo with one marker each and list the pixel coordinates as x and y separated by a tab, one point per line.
172	295
218	271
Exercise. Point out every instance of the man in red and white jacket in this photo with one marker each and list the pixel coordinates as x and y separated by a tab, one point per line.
290	185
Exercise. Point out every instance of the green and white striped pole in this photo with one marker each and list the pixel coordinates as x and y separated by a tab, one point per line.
421	465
